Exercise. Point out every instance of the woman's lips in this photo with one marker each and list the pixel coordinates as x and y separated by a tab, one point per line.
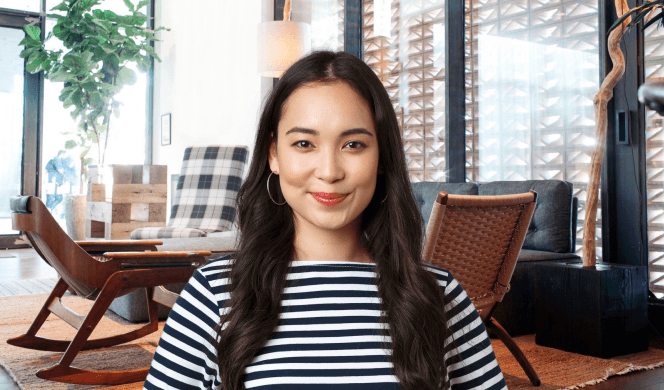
328	198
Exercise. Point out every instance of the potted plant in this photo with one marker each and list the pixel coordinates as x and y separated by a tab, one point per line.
100	46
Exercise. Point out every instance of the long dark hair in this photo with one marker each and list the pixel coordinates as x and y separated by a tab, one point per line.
391	232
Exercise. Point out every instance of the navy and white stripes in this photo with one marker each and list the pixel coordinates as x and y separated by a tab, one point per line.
329	335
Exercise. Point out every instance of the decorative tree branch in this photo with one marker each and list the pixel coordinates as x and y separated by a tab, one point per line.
287	11
600	102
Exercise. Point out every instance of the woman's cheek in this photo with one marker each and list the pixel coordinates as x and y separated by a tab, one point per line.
295	170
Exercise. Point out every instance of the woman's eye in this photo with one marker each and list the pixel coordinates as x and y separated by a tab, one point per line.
302	144
355	145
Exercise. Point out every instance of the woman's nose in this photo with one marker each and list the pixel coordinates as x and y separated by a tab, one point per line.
329	167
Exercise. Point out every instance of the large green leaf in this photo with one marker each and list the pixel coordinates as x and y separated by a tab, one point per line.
61	75
33	32
108	48
142	4
110	14
96	100
101	24
71	144
27	52
60	7
33	67
150	50
29	42
35	61
126	76
129	5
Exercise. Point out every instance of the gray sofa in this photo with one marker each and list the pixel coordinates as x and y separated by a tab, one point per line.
551	237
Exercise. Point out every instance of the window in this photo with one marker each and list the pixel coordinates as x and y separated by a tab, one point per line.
654	42
404	43
127	136
11	112
21	5
532	71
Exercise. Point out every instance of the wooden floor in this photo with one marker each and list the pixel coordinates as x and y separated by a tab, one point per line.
26	264
16	265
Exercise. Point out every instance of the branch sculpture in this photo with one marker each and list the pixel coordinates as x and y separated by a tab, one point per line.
600	102
627	18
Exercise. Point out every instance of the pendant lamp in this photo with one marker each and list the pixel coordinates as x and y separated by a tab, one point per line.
281	43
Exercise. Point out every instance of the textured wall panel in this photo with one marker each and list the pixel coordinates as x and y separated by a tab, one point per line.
654	58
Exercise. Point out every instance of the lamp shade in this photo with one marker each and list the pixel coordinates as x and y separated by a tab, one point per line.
280	44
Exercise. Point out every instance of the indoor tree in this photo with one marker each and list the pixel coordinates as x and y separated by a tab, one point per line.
100	46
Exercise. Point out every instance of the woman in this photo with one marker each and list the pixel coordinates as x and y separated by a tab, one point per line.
327	289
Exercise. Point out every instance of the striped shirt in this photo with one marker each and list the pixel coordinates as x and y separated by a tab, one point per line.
329	334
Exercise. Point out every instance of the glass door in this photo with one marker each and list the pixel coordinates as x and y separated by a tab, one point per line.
19	110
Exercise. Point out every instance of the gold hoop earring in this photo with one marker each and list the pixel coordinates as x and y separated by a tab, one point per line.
268	191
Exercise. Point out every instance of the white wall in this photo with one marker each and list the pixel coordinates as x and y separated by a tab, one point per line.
207	79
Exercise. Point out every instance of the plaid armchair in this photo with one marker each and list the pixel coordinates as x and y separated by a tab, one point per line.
204	200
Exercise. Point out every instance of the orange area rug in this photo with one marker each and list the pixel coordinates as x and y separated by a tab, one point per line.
564	370
16	315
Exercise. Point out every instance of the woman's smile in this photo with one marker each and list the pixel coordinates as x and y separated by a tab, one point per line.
329	198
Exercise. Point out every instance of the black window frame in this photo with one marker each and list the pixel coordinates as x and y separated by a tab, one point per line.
33	101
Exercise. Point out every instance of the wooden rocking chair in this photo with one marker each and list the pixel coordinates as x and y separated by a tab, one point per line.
98	271
478	239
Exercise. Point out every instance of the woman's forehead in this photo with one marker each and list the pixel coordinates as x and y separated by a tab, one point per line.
326	106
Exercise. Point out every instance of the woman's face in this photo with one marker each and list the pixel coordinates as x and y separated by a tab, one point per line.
326	155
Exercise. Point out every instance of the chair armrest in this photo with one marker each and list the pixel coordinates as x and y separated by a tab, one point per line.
146	256
99	247
142	260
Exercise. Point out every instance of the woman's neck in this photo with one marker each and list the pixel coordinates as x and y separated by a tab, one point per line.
312	243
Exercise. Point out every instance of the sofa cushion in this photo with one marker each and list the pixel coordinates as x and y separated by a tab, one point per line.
426	192
212	244
165	232
551	226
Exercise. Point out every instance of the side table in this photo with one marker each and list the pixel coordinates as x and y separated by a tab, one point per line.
601	311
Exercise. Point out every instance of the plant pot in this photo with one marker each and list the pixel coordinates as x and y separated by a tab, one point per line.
75	215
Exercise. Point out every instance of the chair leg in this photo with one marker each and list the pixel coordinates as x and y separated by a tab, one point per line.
31	341
62	372
514	349
29	337
153	308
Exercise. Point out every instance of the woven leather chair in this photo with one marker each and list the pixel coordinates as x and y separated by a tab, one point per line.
478	239
97	271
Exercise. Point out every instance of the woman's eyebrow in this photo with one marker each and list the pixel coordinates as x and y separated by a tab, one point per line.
358	130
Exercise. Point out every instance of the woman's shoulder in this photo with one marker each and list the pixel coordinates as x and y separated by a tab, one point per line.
215	271
220	264
443	276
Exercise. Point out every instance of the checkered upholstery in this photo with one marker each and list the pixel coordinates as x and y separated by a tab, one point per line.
206	193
